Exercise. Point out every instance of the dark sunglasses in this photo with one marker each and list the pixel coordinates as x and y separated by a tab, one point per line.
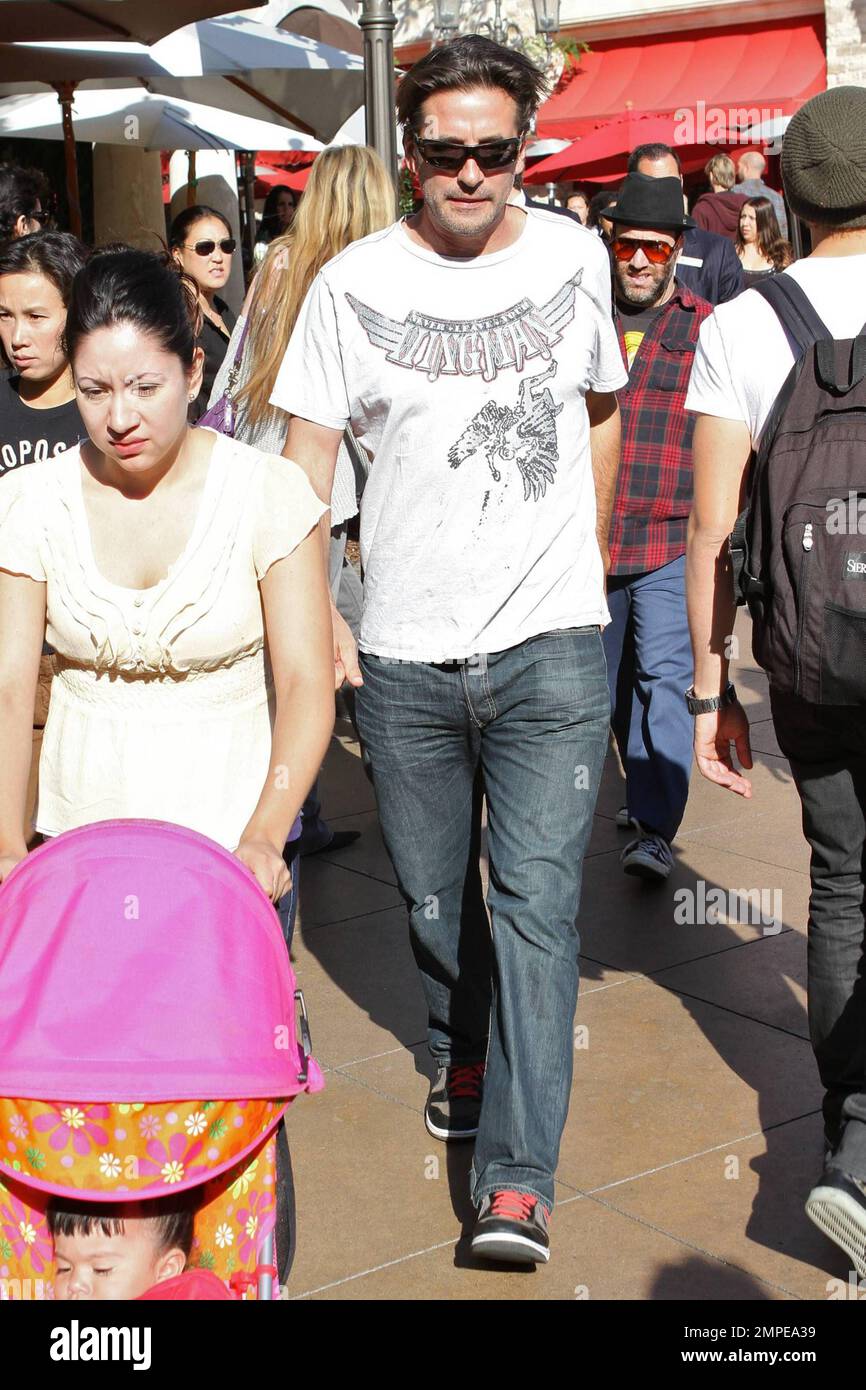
451	156
656	252
38	217
207	248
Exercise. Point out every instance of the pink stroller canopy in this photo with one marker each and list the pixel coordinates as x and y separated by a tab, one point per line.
141	962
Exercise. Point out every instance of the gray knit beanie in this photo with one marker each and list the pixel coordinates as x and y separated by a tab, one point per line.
824	159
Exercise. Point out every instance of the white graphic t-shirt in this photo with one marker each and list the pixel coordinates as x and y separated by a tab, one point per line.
464	381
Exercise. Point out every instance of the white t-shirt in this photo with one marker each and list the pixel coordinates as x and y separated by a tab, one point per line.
743	355
464	381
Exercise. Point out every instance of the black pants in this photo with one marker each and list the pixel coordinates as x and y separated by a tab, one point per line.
826	747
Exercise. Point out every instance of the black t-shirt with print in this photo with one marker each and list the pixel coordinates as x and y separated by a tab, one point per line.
635	321
30	436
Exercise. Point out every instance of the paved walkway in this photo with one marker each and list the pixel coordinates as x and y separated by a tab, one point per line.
694	1132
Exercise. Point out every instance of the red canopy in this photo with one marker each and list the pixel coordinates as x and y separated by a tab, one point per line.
267	178
706	85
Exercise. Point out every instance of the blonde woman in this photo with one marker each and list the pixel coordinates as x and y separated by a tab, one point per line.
349	195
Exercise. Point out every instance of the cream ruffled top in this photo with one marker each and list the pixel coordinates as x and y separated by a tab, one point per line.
162	703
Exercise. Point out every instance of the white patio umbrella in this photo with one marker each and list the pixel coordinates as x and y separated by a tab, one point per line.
354	130
768	133
135	117
144	21
232	64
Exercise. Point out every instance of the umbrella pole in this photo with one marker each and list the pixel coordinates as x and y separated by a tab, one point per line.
249	175
65	92
191	180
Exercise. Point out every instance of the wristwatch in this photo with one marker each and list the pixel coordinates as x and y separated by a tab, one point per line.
713	702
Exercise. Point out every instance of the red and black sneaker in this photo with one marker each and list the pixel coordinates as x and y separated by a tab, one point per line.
454	1104
512	1226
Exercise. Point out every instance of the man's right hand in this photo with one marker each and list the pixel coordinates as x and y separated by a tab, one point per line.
346	666
714	734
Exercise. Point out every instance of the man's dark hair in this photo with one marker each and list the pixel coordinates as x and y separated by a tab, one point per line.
172	1219
652	151
20	190
466	63
58	256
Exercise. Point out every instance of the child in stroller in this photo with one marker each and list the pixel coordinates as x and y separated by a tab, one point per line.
141	969
131	1250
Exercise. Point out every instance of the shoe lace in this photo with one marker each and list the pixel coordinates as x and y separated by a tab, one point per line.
464	1081
516	1206
650	844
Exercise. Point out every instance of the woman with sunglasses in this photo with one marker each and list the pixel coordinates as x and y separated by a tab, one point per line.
201	242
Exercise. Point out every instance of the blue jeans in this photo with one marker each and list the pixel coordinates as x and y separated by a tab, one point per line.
531	722
649	663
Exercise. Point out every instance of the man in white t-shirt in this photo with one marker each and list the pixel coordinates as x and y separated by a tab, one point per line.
742	361
471	350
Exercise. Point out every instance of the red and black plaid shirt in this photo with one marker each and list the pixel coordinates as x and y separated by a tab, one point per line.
654	487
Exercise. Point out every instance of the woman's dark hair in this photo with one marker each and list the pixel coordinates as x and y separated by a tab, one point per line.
270	226
598	204
173	1219
771	243
140	288
467	63
188	218
57	255
20	190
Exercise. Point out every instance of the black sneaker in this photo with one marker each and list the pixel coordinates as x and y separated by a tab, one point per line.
838	1208
454	1104
512	1226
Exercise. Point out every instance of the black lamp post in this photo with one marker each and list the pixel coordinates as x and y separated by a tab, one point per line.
378	22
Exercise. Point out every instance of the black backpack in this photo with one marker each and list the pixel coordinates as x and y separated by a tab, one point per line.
799	548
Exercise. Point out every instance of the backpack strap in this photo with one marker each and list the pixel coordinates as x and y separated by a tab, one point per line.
794	310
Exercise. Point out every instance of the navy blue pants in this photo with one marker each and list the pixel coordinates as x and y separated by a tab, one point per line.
649	666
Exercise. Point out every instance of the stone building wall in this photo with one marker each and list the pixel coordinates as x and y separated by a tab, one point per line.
846	42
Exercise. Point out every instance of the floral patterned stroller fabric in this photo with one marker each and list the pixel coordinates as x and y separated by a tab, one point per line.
148	1043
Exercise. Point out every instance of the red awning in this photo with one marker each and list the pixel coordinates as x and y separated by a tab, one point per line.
601	156
770	69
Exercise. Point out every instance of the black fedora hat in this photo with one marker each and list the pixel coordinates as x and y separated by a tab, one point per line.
646	202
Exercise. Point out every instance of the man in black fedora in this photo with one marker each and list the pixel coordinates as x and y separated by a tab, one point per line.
708	264
647	642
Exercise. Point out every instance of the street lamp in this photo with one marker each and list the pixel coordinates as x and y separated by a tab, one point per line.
500	30
446	18
546	19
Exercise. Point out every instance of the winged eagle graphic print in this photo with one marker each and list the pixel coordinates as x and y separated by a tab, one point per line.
525	434
466	347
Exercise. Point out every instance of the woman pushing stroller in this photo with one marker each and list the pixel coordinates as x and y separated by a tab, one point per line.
177	574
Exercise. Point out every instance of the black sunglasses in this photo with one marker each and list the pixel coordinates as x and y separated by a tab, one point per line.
207	248
451	155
